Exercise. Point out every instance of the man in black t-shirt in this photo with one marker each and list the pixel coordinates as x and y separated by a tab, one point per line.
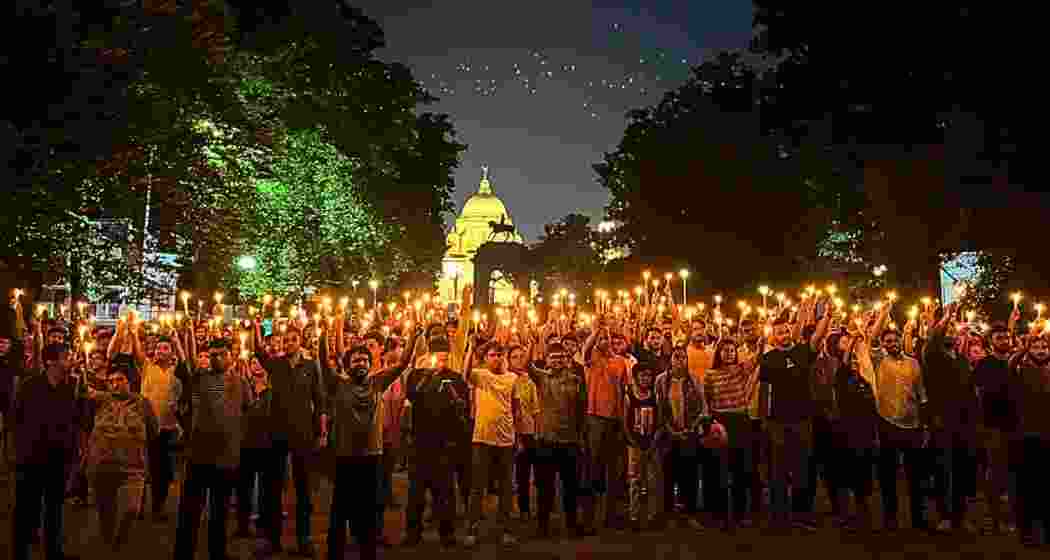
438	404
786	373
998	421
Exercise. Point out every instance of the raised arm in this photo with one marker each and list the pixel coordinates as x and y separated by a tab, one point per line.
822	329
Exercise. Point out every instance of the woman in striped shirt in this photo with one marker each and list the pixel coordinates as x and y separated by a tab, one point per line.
729	387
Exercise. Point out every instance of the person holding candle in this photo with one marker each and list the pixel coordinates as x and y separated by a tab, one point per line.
953	413
300	426
998	422
356	403
161	385
220	395
605	376
1029	393
787	371
494	436
437	403
728	388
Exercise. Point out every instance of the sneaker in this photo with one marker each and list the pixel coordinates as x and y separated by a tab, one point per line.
509	539
693	523
945	526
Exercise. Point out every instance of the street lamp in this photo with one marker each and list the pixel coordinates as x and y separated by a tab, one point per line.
374	284
247	263
684	273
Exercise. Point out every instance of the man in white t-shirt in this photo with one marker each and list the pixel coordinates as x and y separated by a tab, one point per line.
493	441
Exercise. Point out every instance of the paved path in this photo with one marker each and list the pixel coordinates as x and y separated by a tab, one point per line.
154	541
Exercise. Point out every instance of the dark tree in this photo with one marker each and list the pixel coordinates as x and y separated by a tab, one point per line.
695	177
568	255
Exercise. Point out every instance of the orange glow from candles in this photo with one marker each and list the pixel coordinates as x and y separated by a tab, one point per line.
361	302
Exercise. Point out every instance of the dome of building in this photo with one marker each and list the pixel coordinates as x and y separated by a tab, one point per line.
484	205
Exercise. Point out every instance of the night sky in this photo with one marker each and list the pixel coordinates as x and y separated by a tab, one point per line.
538	89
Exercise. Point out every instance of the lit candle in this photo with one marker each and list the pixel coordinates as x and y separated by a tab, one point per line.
764	290
218	297
1017	299
1038	311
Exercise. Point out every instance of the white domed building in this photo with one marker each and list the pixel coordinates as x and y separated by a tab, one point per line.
470	231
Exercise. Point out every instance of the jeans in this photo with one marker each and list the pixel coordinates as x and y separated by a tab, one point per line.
561	460
680	468
356	480
304	505
996	483
36	484
643	478
496	462
435	473
259	469
738	465
162	467
895	442
790	452
607	452
202	482
955	475
523	465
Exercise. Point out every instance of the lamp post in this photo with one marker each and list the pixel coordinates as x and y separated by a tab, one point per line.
374	284
684	273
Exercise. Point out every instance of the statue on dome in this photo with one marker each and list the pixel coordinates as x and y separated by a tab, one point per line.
502	227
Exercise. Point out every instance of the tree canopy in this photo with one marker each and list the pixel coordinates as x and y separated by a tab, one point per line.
206	110
878	141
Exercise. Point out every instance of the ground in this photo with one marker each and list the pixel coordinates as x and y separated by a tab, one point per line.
154	541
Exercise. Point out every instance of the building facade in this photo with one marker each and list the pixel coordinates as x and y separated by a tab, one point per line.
471	230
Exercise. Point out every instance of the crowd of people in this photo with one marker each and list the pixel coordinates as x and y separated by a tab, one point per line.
638	413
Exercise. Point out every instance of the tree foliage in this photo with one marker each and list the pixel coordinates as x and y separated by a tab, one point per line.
697	166
192	106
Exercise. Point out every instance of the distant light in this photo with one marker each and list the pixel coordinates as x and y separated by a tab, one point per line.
606	227
247	262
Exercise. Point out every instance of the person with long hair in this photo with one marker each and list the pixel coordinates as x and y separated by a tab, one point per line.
728	388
